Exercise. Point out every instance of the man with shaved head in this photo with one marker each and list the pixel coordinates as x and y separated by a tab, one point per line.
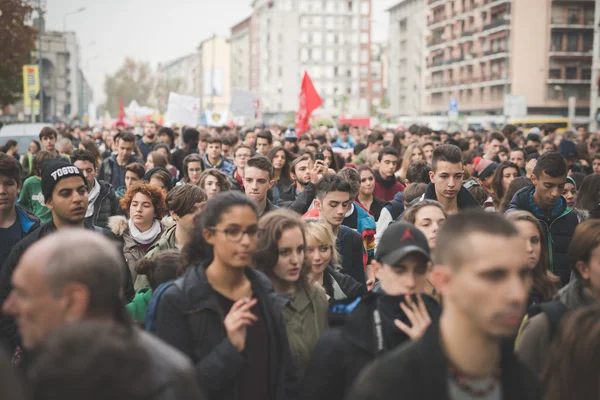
75	275
66	195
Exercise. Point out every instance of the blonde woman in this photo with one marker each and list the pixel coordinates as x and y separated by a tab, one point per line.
323	256
413	153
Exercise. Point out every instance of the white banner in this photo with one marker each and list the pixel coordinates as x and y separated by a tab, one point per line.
215	118
182	110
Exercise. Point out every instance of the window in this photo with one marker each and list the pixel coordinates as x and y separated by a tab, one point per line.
572	42
556	41
573	16
364	24
364	71
329	55
330	23
571	72
588	42
364	38
364	56
365	6
555	73
335	71
586	73
350	5
402	25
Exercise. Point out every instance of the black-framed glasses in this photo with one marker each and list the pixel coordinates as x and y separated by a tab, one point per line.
235	233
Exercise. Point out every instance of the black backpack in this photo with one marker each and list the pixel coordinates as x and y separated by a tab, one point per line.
554	310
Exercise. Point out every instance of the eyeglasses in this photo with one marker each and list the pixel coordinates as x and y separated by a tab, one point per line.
235	234
242	155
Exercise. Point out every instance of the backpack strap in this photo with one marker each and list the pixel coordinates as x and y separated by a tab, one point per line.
151	315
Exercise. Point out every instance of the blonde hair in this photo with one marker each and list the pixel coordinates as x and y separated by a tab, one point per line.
407	160
320	231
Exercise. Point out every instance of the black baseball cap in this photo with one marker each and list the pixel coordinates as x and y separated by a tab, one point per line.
399	240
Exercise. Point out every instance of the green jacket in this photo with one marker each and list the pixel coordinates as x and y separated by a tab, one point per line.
305	318
139	305
32	199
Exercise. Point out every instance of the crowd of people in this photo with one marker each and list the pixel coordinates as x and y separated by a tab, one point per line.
237	263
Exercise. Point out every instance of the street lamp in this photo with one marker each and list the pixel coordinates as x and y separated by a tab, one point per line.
80	10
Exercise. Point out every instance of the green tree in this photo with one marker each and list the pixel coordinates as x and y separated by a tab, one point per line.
133	81
17	40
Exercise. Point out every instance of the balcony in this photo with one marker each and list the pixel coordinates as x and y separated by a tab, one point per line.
572	22
435	3
495	24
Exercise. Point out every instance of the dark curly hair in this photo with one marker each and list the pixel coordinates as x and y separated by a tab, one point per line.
156	195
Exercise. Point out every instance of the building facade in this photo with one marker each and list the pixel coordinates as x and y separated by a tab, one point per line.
406	54
214	55
329	39
379	72
478	51
240	54
182	75
60	78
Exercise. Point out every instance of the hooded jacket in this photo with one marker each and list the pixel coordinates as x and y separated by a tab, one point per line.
111	172
349	245
340	286
365	227
29	222
298	202
351	343
131	249
559	229
386	188
8	332
190	319
534	341
419	370
224	166
105	206
392	210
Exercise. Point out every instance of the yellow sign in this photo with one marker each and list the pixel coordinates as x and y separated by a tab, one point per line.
31	89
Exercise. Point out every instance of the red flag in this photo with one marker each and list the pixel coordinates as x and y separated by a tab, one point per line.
121	111
309	101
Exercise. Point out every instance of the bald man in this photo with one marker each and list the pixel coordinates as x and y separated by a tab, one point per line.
76	275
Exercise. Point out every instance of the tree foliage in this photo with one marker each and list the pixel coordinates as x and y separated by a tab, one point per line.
132	81
17	40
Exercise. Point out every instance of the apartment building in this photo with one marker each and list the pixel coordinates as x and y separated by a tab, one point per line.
181	75
407	31
240	54
379	75
330	39
479	50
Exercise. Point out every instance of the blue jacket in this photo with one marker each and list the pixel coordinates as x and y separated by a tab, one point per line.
29	222
341	145
366	227
559	229
224	166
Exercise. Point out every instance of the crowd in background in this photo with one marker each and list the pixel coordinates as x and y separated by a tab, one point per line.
256	263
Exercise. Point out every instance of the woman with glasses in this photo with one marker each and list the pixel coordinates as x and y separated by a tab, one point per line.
222	313
281	256
192	169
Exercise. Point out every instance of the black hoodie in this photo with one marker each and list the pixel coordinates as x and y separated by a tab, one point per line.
351	343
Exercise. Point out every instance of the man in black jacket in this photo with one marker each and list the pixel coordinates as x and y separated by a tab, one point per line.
485	284
446	180
333	199
300	196
544	200
65	192
102	201
76	275
364	328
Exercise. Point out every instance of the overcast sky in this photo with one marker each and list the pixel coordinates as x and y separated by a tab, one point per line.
154	30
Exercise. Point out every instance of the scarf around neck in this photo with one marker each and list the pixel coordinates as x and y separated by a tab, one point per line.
144	237
92	196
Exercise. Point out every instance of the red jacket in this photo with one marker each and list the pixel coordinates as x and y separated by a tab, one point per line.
386	189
